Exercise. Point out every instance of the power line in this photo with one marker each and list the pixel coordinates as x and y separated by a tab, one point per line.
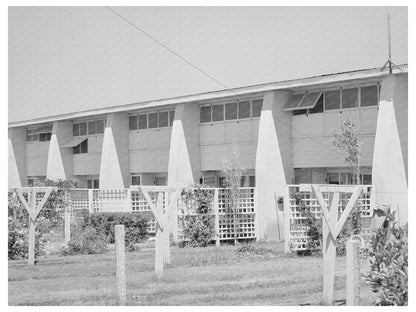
167	48
211	77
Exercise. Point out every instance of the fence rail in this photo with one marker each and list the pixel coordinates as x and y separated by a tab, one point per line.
296	228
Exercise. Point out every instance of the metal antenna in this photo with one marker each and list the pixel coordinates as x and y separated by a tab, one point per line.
389	62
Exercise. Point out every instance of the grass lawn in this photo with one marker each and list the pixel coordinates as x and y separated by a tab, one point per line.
197	276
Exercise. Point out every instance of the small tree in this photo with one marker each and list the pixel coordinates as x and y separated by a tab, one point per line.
233	172
347	141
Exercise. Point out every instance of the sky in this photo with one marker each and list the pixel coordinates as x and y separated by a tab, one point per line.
69	59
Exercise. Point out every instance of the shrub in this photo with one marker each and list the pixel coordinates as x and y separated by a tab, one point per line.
389	266
104	222
198	224
87	240
18	238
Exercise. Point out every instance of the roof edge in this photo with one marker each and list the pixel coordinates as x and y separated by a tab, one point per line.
285	84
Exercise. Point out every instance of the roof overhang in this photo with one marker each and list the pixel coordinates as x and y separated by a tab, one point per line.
282	85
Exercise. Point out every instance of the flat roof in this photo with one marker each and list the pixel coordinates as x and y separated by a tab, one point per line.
232	92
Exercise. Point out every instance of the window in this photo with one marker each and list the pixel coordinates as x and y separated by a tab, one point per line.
299	112
83	128
93	184
332	100
256	107
210	181
30	182
231	111
92	127
152	120
244	109
143	121
217	112
81	148
133	122
40	134
205	113
366	178
294	101
43	137
310	100
369	96
163	119
350	98
319	106
136	180
171	118
75	129
100	126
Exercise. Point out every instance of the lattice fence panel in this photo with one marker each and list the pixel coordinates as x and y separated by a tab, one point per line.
298	238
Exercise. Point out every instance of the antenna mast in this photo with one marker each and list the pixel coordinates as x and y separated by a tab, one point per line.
389	62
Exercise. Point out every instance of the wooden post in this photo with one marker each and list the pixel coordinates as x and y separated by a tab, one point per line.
286	219
329	251
32	230
159	242
90	201
217	219
67	223
166	232
353	273
120	264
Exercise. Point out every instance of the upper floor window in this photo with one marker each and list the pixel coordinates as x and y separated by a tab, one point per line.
81	148
88	127
151	120
40	134
337	99
243	109
93	183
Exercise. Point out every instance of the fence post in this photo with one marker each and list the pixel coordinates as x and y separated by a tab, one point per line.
166	230
32	231
174	219
128	200
67	223
353	273
159	242
90	201
120	264
217	218
286	218
329	250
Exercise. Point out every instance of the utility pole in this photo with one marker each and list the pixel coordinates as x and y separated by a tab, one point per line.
389	62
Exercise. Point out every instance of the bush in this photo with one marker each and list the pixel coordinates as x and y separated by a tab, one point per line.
18	238
104	222
198	224
86	241
389	266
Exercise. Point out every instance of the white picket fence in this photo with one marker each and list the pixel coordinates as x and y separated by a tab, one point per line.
132	200
296	238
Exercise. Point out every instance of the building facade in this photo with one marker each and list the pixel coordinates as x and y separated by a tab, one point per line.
283	132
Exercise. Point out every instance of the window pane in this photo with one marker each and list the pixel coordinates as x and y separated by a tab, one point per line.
350	98
369	96
319	107
256	107
231	111
153	120
252	181
217	112
244	109
205	113
84	147
35	137
366	179
100	126
48	136
83	128
42	137
299	112
294	101
163	119
76	149
75	129
133	122
92	127
210	181
310	99
89	184
135	180
143	121
332	99
333	178
96	184
171	118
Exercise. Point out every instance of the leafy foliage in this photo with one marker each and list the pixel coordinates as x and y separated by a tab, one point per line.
347	141
87	240
104	222
198	224
389	266
18	238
